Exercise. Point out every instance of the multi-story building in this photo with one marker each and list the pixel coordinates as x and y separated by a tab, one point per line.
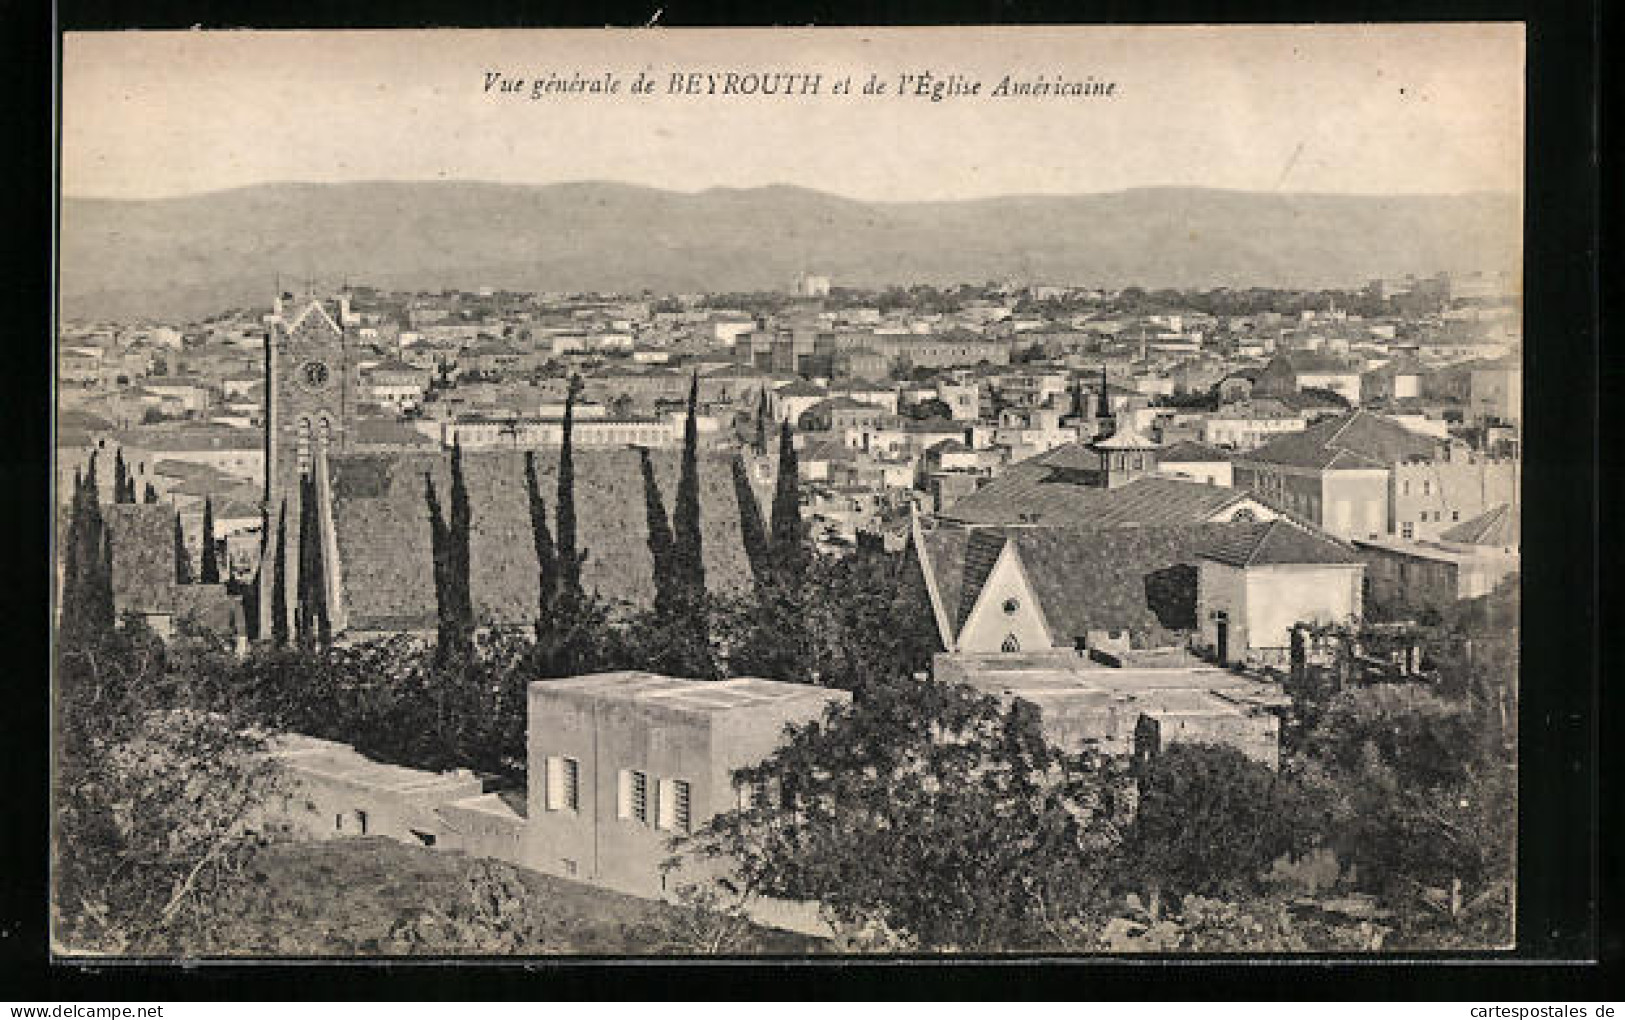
1338	473
622	762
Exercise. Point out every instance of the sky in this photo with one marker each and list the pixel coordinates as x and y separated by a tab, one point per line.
1416	109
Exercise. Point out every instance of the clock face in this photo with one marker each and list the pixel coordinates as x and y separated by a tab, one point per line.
314	374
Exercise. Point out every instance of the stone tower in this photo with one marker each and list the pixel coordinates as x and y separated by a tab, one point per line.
310	397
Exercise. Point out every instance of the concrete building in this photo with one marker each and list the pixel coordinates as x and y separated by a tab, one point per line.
1255	584
333	790
1414	574
1338	473
1430	497
1247	425
1082	703
622	762
1466	561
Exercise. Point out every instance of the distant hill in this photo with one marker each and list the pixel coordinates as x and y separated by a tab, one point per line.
198	254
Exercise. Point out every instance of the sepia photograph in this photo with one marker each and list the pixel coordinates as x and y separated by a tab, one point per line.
788	493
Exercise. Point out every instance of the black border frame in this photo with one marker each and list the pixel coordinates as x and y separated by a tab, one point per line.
1567	906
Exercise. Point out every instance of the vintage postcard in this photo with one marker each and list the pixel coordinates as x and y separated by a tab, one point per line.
788	492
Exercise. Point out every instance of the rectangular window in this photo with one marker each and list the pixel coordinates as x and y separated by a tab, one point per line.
563	784
680	809
632	799
1406	530
672	805
1455	515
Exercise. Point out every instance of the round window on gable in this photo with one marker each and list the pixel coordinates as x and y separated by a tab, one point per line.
1012	606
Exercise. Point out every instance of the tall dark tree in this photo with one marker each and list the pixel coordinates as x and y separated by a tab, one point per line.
752	530
279	580
668	595
788	540
87	584
761	422
210	572
459	529
151	495
183	559
123	485
688	562
569	557
311	626
454	637
71	593
547	562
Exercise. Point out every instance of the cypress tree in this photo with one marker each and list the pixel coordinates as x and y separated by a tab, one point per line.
101	600
183	559
310	610
752	532
121	479
569	558
458	561
151	495
440	540
761	421
667	594
688	562
302	599
210	573
547	563
87	589
94	561
788	547
71	594
279	580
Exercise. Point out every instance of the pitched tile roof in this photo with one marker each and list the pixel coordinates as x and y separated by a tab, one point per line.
385	556
142	541
1359	439
1140	579
1498	526
1191	452
1059	488
1274	543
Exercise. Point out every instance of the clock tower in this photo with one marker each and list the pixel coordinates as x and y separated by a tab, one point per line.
310	391
310	396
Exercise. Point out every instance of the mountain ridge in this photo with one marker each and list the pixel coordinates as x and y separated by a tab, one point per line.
187	255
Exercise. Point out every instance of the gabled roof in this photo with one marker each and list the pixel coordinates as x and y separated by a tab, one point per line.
1085	578
386	560
1497	526
1276	543
324	319
1061	487
1359	439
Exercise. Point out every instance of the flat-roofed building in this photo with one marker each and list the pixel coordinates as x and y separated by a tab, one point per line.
1083	703
622	762
333	790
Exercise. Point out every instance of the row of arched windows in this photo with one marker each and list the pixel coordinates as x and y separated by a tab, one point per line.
322	434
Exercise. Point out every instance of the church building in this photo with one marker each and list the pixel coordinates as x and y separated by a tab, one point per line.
347	521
